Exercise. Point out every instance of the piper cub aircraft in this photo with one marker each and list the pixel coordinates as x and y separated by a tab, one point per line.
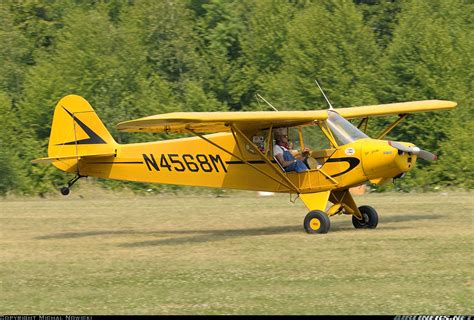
234	150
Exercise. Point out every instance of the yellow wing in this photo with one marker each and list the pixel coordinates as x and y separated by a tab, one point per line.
395	108
207	122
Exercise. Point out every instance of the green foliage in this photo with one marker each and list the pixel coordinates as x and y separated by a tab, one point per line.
131	59
329	42
15	54
165	29
14	164
430	57
382	17
261	48
455	167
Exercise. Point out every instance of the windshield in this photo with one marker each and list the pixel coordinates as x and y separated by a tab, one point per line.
342	130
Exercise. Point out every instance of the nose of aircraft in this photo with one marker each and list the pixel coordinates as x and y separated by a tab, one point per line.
381	160
405	161
412	149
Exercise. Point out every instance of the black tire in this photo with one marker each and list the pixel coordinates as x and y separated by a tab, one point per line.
371	218
65	191
317	222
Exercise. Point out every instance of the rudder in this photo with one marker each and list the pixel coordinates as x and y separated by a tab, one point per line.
77	131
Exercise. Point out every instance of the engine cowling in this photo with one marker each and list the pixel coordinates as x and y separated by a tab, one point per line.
381	160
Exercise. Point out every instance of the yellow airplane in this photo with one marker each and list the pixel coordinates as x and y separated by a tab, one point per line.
234	150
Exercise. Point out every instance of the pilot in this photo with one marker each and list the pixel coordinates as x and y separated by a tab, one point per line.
283	155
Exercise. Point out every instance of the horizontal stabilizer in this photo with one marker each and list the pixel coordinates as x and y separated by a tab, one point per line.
59	158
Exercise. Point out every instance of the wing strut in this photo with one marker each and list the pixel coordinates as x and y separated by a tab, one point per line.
401	117
364	122
291	186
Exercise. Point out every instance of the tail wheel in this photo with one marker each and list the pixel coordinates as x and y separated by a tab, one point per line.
65	191
317	222
371	218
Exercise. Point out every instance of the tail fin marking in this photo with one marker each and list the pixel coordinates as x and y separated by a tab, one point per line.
93	137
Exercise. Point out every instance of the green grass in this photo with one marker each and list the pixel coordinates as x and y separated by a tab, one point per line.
99	253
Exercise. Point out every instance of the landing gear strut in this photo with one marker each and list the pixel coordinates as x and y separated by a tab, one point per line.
66	190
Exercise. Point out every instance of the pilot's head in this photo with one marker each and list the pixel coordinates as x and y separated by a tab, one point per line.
280	135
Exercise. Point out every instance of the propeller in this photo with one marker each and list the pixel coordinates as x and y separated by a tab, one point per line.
423	154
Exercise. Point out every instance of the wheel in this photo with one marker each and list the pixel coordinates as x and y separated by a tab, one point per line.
317	222
65	191
371	218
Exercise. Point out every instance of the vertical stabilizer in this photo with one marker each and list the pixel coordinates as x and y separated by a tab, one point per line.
77	131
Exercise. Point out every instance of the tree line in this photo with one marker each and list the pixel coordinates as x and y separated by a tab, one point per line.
134	58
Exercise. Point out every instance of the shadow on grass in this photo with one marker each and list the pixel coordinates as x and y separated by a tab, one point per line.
225	232
202	236
220	235
409	217
72	235
386	222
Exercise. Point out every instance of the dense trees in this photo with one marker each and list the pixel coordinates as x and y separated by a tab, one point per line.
431	57
326	41
136	58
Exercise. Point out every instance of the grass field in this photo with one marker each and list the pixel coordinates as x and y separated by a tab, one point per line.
100	253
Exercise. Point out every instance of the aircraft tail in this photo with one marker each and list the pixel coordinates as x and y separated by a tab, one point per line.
76	132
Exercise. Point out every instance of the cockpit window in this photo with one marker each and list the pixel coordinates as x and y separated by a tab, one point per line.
342	130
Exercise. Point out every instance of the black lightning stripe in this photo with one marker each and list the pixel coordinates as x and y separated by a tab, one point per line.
353	162
93	137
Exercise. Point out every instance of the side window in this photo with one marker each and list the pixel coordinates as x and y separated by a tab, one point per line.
294	139
260	140
314	138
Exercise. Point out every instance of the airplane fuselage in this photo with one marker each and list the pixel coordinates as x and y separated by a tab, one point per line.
196	162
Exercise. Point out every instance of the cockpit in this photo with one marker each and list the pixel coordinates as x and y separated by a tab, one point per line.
321	137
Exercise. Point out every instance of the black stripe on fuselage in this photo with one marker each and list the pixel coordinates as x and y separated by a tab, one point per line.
250	161
117	162
353	162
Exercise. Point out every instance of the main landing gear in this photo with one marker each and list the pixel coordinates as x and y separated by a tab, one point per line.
66	190
370	221
317	221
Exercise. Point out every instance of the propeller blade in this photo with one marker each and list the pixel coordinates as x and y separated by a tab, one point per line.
423	154
426	155
404	148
